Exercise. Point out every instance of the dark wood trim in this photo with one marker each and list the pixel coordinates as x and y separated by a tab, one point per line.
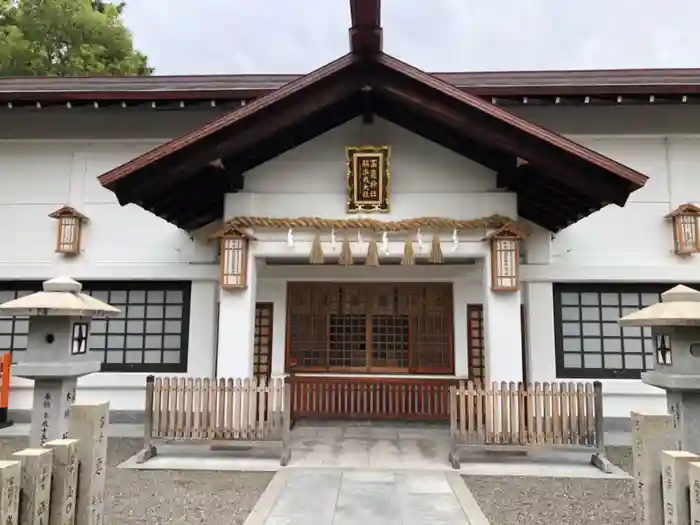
548	162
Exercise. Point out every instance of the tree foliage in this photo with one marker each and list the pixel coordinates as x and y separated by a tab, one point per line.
66	37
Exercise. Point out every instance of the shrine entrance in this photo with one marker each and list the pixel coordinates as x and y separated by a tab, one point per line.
372	351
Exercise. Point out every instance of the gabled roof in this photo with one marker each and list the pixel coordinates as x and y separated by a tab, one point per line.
557	181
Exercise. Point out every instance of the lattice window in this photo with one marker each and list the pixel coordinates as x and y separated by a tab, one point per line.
149	335
590	343
370	327
347	341
475	343
262	349
390	341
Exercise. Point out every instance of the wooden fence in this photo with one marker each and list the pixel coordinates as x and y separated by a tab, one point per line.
525	417
405	399
5	364
224	410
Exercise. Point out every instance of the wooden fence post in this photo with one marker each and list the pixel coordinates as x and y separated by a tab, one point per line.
36	485
149	450
88	424
286	425
10	480
64	483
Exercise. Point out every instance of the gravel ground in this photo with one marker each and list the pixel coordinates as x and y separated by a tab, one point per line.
137	497
560	501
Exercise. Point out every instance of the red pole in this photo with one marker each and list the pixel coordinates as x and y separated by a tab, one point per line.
4	387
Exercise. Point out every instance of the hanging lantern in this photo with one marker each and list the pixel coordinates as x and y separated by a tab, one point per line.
685	229
70	224
233	258
505	258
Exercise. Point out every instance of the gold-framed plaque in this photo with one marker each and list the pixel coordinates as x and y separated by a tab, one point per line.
367	179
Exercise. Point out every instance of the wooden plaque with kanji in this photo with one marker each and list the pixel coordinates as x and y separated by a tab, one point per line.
367	179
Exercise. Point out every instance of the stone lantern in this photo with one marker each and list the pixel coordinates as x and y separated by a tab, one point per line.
57	351
675	327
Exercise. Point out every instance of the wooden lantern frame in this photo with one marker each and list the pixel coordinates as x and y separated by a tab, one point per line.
70	230
504	244
686	229
234	246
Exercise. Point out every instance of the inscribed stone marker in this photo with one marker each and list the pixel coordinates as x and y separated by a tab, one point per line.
53	399
65	480
694	484
651	433
88	424
674	464
10	479
36	485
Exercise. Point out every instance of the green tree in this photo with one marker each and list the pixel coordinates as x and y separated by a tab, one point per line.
66	38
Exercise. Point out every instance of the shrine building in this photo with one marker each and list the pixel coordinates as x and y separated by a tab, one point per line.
366	222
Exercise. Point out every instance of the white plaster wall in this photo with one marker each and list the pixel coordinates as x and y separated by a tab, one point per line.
38	177
49	158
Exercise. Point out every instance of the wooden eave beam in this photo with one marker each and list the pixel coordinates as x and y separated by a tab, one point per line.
431	130
529	182
482	131
243	136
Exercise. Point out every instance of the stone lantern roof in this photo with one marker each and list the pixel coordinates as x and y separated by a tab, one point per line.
679	306
61	296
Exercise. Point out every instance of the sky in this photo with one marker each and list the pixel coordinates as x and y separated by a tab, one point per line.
297	36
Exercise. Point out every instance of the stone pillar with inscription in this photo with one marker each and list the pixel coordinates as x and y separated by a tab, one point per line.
88	424
10	485
57	351
651	434
674	466
675	327
64	481
694	492
35	485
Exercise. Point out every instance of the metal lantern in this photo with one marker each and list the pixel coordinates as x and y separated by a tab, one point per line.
685	229
233	260
505	259
70	224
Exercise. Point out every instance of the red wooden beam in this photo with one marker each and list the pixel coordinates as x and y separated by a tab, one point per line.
366	28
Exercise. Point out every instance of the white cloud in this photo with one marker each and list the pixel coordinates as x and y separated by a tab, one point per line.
296	36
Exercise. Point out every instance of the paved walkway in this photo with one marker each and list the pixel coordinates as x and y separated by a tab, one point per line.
361	497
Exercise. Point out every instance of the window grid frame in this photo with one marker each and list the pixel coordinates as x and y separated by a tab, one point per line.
104	286
583	372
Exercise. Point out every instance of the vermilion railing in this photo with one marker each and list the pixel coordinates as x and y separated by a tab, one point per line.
371	398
